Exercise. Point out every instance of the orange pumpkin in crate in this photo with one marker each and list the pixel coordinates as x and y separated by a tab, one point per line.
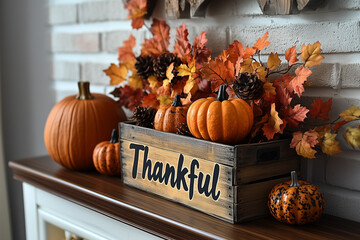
296	202
77	123
106	156
220	120
170	118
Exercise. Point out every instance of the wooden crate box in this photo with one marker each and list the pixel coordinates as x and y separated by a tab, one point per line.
228	182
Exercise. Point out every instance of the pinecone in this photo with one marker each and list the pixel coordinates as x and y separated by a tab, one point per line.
162	62
248	86
144	66
144	116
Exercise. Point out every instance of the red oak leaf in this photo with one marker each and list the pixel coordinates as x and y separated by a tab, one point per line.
262	42
282	93
126	51
200	51
137	11
182	46
296	83
320	110
129	97
295	115
161	33
290	56
340	124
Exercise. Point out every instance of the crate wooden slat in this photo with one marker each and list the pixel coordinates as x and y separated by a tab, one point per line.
228	182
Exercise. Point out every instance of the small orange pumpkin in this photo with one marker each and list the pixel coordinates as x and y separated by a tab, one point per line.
220	120
106	156
296	202
77	123
170	118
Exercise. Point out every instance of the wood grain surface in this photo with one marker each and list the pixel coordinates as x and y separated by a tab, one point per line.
109	196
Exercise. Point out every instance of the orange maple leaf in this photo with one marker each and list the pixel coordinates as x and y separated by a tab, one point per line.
302	73
282	93
327	140
235	51
273	61
273	125
304	143
137	11
218	73
161	32
248	52
291	56
116	73
262	42
295	115
182	47
310	54
126	51
320	109
152	47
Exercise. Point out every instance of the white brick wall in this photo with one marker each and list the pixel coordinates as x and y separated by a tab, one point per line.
86	35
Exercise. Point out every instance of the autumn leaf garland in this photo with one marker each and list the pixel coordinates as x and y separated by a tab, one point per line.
198	75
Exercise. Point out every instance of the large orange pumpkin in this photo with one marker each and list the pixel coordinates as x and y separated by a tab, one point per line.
170	118
76	124
220	120
106	156
296	202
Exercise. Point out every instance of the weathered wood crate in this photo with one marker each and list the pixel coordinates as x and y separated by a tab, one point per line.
228	182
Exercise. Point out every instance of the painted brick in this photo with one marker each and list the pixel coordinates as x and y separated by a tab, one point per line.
216	35
114	39
350	75
346	174
93	72
245	7
334	36
66	70
102	11
75	42
345	4
62	14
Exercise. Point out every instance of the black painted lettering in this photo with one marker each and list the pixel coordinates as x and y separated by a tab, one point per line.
137	148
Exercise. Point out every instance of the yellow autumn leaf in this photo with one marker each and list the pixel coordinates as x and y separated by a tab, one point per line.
269	90
273	61
164	100
310	54
190	86
246	66
275	119
350	114
184	70
259	70
116	73
130	65
329	145
135	82
153	83
169	73
352	136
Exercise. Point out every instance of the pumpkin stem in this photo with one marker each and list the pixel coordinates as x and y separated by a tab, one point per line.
177	101
84	91
114	136
294	180
222	94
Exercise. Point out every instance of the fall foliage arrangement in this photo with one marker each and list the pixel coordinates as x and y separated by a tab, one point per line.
157	75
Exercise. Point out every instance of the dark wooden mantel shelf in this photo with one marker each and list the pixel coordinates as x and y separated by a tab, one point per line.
109	196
